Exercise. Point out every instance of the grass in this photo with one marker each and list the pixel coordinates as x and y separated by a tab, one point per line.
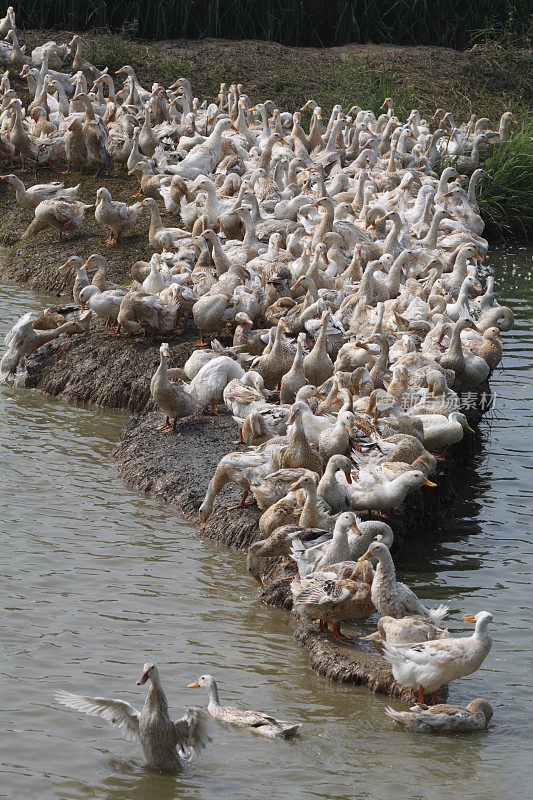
506	202
319	23
373	86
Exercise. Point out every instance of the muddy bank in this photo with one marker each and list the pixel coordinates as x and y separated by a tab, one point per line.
98	369
177	469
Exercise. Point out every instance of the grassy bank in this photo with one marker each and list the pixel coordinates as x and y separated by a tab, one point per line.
319	23
489	79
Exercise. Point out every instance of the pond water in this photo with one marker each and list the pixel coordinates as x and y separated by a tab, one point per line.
97	580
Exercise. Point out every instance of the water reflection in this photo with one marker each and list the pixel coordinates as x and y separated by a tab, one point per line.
97	579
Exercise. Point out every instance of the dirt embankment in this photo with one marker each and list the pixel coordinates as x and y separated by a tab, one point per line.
98	369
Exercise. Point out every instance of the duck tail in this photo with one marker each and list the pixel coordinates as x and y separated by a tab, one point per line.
397	716
438	613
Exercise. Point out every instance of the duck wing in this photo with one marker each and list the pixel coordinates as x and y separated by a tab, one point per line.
194	731
117	712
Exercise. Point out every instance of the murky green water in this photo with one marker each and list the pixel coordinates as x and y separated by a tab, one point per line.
96	580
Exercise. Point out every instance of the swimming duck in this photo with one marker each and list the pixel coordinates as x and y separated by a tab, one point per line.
254	721
444	717
166	744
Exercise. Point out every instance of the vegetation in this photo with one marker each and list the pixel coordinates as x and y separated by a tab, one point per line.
319	23
506	201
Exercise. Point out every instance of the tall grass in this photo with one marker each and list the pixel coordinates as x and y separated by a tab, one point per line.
372	86
506	201
450	23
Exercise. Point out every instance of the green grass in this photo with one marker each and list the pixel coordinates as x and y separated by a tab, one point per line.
506	202
372	86
319	23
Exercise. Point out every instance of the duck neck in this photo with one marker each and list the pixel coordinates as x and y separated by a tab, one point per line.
156	699
155	219
213	695
308	516
430	240
472	186
385	567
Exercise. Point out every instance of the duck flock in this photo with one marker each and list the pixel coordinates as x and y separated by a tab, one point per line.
347	272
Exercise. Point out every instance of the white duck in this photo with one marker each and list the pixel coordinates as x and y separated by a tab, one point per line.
428	665
254	721
33	195
388	495
440	430
105	305
392	598
208	385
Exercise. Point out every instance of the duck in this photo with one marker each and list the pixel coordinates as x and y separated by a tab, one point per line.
334	601
444	717
268	489
407	630
392	598
140	311
208	385
117	216
279	544
212	312
61	213
100	278
274	364
426	666
333	493
298	452
105	305
23	339
81	280
336	439
440	430
171	398
386	496
23	142
254	721
242	394
167	744
317	365
333	551
33	195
